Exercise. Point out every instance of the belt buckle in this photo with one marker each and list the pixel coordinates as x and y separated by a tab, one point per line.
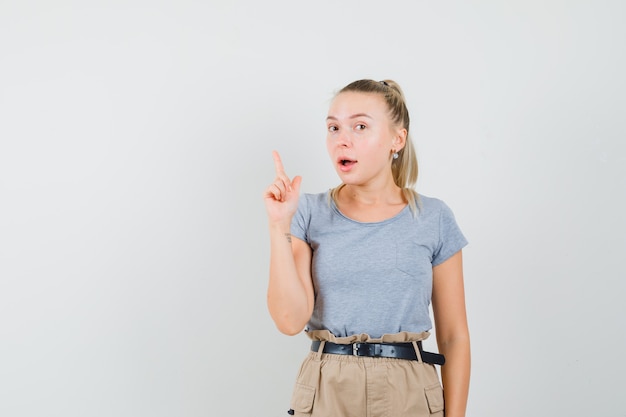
365	349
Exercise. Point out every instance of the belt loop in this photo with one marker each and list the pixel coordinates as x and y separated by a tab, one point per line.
417	351
320	350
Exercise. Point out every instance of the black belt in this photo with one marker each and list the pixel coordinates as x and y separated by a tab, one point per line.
381	350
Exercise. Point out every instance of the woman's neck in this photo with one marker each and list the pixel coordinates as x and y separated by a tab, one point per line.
370	205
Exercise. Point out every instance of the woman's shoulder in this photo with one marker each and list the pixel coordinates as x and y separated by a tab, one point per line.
429	201
316	195
432	205
315	198
313	201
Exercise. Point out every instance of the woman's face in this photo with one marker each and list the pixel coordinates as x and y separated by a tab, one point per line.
361	137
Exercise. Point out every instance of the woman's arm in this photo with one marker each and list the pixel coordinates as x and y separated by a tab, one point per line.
290	292
452	333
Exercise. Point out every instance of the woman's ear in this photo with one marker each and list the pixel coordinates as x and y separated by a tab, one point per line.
400	139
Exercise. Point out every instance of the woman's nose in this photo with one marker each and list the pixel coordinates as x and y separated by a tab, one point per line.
344	139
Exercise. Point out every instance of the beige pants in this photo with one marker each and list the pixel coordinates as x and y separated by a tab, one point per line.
355	386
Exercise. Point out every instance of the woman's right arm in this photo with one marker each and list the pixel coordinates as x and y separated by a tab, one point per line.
290	295
290	292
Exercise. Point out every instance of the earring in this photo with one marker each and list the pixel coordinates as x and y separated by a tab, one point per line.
395	155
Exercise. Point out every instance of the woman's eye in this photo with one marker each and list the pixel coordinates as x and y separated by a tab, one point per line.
332	128
360	127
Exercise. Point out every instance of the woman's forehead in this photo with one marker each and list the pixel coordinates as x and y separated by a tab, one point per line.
352	102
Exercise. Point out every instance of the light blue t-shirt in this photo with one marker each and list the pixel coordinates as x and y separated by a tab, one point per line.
374	278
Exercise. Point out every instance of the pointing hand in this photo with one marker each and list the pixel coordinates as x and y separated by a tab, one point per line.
281	196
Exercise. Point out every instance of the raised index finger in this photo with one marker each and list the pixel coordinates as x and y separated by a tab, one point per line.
278	164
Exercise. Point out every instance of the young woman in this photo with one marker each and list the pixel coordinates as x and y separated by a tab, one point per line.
358	266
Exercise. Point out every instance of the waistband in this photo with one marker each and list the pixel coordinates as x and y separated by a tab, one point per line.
381	350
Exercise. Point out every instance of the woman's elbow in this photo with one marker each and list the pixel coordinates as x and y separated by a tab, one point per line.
289	323
290	331
289	328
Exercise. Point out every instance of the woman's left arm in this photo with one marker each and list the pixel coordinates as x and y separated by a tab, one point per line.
452	333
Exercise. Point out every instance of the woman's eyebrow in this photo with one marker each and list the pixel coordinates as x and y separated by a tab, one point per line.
354	116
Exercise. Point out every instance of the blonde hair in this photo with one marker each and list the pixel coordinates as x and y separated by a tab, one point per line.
404	168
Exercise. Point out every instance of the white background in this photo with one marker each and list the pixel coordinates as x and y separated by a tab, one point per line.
136	141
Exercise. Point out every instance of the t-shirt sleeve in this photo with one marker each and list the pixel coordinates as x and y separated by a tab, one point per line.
451	239
300	220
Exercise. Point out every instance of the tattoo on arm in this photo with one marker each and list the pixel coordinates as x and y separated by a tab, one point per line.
288	236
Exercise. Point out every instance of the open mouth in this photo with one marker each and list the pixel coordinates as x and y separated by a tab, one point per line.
346	162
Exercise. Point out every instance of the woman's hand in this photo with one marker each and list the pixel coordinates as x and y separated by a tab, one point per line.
281	197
